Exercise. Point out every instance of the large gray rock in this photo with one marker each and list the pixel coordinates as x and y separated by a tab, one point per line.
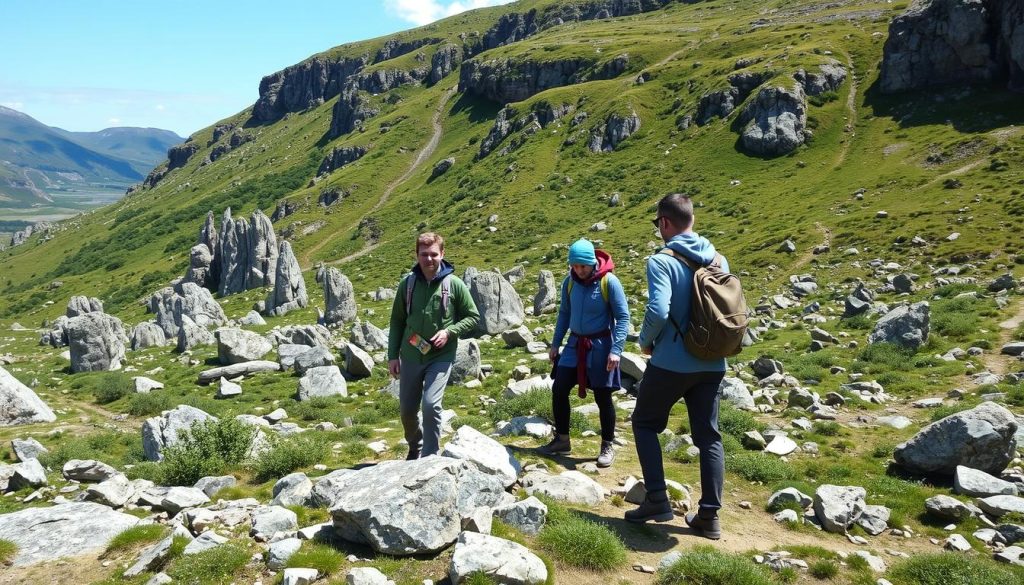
502	560
328	488
368	336
313	357
235	346
339	296
544	300
172	303
147	334
775	121
191	335
97	342
488	455
906	326
616	128
19	405
572	487
114	492
971	482
80	305
151	559
736	392
980	438
874	520
311	335
25	449
57	336
322	381
178	498
281	551
527	516
468	362
200	266
838	507
999	506
235	370
27	474
213	484
411	507
358	363
292	490
289	291
248	253
499	304
948	508
789	496
267	520
87	470
64	530
165	430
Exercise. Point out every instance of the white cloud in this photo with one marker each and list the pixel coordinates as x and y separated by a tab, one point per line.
420	12
160	107
13	105
114	121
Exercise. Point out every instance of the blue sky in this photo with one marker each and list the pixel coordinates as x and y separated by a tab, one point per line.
179	65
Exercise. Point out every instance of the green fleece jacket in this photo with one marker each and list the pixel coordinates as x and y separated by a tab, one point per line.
425	318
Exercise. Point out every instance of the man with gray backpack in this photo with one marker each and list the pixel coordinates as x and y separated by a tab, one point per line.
695	317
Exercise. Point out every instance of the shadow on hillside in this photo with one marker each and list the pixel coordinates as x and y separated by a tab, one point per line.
567	461
478	109
967	109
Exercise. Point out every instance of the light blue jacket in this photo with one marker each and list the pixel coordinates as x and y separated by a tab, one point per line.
584	311
670	288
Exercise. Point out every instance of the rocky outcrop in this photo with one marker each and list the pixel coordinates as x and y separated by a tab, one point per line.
829	78
283	209
178	156
289	287
442	167
951	42
907	326
350	112
544	300
616	128
499	305
721	103
339	296
506	80
248	253
506	123
19	405
396	47
235	346
775	122
444	61
80	305
980	438
185	299
65	530
237	139
303	86
97	342
354	108
340	157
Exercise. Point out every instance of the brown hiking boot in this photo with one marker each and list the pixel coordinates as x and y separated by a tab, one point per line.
659	511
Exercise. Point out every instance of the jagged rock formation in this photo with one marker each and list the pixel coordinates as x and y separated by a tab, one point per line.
97	342
19	405
289	287
339	296
506	80
396	48
541	114
283	210
237	139
204	267
248	253
775	122
178	155
354	108
616	128
78	305
340	157
185	299
721	103
444	61
21	236
946	42
829	78
302	86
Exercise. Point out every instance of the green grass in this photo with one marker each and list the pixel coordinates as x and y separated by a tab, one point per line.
289	454
759	467
536	402
582	543
708	566
947	568
823	569
215	565
7	551
317	555
135	536
207	449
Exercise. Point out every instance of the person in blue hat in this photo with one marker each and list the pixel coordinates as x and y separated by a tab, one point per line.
594	314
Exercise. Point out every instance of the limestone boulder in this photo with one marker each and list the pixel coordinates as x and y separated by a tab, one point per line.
97	342
64	530
19	405
981	438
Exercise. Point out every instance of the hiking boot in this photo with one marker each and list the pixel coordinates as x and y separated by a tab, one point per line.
560	445
607	454
413	454
708	527
659	511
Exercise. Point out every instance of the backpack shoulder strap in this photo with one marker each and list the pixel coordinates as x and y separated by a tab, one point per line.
446	294
604	287
689	263
410	283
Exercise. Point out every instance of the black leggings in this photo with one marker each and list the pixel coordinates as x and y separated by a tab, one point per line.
565	380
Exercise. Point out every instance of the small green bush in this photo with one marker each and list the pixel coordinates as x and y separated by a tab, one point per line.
582	543
826	428
880	357
206	449
949	568
289	454
759	467
824	569
707	566
735	422
150	403
112	386
214	565
135	535
7	551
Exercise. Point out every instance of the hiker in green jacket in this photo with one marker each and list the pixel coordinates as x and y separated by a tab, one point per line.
432	309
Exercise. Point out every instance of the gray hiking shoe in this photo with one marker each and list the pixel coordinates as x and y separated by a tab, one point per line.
659	510
708	527
607	454
558	446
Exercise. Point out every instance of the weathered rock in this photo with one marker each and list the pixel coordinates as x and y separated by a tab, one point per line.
151	559
235	370
97	342
368	336
339	157
615	130
971	482
192	335
299	576
312	357
358	363
248	253
178	498
468	362
252	318
999	506
838	507
64	530
292	490
235	346
165	430
339	295
906	326
114	492
411	507
502	560
980	438
499	304
26	474
88	470
442	167
25	449
281	551
311	335
544	300
267	520
488	455
19	405
200	267
874	520
144	385
527	516
227	389
948	508
571	487
185	299
204	542
775	121
210	485
322	381
289	291
81	305
147	334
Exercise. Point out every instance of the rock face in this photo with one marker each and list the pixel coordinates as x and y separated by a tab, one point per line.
354	107
147	334
615	129
302	86
981	438
444	61
97	342
165	430
507	122
544	300
502	560
775	121
80	305
19	405
235	346
248	253
944	42
340	157
499	304
411	507
185	299
289	287
507	80
65	530
339	296
905	326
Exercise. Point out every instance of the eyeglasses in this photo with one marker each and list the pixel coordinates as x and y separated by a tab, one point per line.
656	221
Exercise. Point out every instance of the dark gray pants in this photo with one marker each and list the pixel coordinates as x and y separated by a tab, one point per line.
422	384
659	391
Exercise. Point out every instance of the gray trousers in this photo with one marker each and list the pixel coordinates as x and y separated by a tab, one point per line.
422	384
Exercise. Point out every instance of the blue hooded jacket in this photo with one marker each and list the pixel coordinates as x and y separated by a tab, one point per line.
670	288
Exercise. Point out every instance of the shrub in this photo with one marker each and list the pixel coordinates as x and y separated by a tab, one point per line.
210	566
760	467
582	543
7	551
385	407
289	454
206	449
150	403
888	356
948	568
824	569
135	535
708	566
112	386
826	428
735	422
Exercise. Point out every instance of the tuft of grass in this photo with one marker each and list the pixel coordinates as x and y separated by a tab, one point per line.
947	568
760	467
826	428
150	404
480	578
7	551
215	565
134	536
289	454
319	556
582	543
883	357
113	386
708	566
735	422
535	402
824	569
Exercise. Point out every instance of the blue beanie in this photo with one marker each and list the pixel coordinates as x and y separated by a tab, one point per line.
582	252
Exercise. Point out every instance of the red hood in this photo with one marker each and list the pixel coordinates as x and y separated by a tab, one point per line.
605	264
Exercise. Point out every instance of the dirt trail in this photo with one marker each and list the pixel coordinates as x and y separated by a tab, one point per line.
421	157
998	363
851	107
805	258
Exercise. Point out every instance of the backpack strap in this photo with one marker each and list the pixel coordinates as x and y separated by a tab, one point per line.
410	283
604	286
446	293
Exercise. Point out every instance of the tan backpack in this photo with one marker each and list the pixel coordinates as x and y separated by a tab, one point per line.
718	311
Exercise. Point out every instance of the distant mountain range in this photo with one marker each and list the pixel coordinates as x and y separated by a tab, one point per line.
37	160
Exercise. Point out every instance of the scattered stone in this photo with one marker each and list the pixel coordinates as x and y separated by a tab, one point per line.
838	507
571	487
972	482
19	405
502	560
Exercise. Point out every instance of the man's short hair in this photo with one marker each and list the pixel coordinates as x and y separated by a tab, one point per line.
428	239
678	209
